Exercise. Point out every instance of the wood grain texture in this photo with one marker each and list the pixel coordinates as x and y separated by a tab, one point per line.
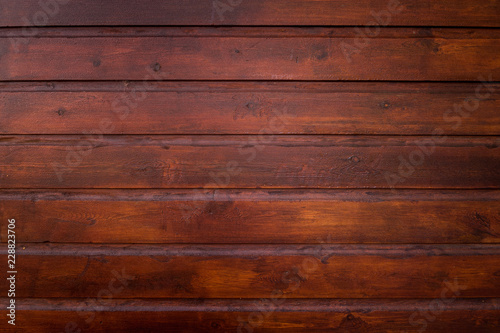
414	32
251	166
228	216
250	58
96	161
482	13
246	271
268	315
249	107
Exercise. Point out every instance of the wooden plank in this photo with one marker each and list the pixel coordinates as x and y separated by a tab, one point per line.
97	161
245	107
270	315
257	12
229	216
256	271
250	58
253	32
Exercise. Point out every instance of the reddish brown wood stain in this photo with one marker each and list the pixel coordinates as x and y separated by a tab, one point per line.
251	166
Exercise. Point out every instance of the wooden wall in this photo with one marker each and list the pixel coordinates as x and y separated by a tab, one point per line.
251	165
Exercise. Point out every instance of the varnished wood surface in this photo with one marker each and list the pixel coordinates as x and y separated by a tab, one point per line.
250	107
226	57
251	166
273	314
228	216
96	161
21	37
481	13
246	271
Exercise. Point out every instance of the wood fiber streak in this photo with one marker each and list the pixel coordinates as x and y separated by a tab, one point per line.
248	108
221	217
229	58
258	12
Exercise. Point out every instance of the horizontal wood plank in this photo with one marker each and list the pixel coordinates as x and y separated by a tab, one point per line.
266	161
273	314
248	107
414	32
228	216
245	271
257	12
250	58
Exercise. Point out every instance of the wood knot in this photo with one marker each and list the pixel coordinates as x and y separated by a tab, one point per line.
321	54
385	105
156	67
354	159
216	325
251	105
352	323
